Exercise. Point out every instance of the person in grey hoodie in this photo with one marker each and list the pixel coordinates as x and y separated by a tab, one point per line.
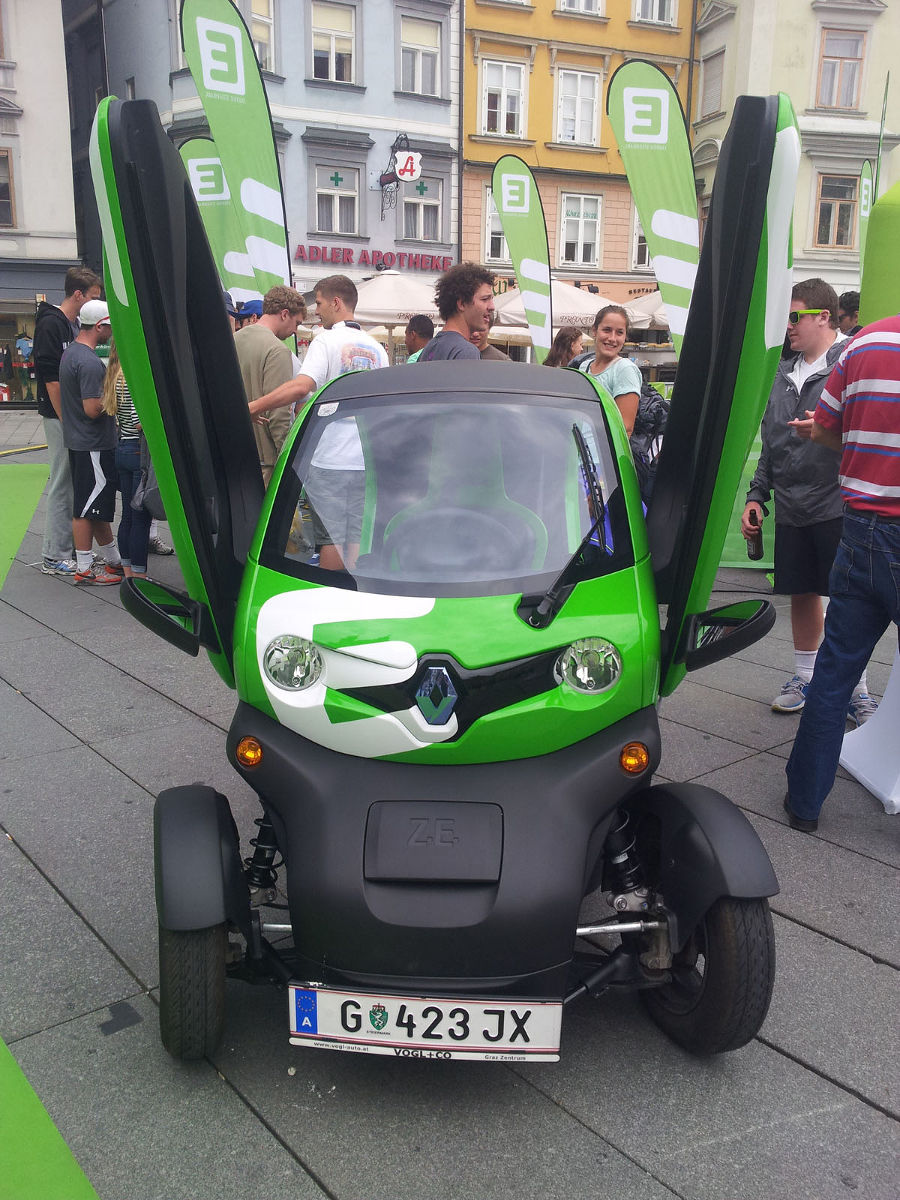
803	475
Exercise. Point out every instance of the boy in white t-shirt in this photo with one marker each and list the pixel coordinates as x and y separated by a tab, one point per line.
336	482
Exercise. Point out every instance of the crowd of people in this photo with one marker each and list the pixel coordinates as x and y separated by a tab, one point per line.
85	444
830	458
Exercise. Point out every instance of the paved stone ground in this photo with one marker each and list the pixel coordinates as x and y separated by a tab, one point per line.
97	715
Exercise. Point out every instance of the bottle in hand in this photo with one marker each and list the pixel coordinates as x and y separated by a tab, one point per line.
754	542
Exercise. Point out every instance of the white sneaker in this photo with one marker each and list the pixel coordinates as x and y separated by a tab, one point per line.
860	708
59	566
793	696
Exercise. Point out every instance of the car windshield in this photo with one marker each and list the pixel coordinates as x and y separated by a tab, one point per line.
449	495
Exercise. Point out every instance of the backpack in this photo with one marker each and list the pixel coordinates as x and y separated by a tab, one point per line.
647	437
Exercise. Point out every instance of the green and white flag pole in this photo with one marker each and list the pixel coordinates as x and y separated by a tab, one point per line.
220	219
219	52
522	217
866	194
650	127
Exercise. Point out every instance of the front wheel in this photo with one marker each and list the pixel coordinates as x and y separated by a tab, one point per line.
721	980
192	990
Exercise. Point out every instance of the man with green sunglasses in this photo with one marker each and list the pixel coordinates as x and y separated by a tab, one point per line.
803	475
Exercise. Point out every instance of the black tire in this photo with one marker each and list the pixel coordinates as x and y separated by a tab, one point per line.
721	981
192	990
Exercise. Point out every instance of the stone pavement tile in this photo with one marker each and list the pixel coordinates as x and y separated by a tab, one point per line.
57	603
16	626
832	1009
31	548
25	731
739	677
742	721
192	682
191	750
145	1128
688	752
52	967
851	818
751	1125
89	829
88	697
844	895
379	1128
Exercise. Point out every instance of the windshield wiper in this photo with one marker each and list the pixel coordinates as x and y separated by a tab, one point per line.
554	597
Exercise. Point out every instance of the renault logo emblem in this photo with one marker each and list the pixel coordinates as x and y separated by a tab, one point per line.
436	696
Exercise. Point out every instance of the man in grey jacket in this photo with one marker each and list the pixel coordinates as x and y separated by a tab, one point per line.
803	475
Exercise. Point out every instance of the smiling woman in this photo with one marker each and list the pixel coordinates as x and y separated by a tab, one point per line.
621	378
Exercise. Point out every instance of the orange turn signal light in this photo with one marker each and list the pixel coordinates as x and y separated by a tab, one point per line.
248	752
634	758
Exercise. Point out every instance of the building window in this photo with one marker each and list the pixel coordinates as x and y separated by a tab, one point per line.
580	6
711	86
840	67
640	252
836	210
580	225
420	53
333	36
337	200
503	99
422	210
6	202
495	247
662	12
262	26
577	110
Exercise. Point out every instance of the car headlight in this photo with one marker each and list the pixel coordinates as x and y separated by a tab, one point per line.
589	665
292	662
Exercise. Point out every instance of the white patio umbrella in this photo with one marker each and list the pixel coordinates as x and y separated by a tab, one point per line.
391	297
571	306
652	310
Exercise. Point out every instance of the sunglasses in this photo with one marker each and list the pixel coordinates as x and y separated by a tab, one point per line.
794	317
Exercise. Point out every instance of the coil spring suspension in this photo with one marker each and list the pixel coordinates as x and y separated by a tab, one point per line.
625	871
260	869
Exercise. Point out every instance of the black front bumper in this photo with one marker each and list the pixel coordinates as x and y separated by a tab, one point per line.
439	877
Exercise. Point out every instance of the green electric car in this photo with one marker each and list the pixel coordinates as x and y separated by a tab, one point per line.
448	623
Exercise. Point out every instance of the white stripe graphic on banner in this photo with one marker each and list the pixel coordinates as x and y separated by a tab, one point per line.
676	227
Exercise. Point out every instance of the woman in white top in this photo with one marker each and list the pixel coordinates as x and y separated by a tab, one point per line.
621	378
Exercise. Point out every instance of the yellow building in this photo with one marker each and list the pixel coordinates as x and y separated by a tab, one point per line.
535	77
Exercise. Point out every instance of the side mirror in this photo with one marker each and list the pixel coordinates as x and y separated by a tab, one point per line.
719	632
170	614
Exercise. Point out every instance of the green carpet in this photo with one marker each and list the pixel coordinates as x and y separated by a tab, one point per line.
35	1163
21	485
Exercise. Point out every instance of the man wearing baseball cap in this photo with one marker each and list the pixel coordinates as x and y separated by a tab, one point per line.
89	435
249	313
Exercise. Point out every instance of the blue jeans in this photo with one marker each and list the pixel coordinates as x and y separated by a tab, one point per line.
134	528
864	600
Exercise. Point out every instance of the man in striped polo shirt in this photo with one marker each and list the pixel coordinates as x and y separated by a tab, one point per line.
859	414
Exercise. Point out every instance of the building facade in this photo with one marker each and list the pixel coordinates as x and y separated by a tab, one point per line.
535	80
37	216
347	82
832	58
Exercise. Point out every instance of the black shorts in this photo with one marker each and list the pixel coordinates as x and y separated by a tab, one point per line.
93	484
804	555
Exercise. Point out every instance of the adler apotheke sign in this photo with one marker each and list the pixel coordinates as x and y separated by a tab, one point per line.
347	256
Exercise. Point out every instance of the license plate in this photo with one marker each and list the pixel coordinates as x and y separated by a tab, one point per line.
414	1027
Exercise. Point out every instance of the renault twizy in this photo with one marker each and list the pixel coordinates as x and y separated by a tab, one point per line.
453	734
